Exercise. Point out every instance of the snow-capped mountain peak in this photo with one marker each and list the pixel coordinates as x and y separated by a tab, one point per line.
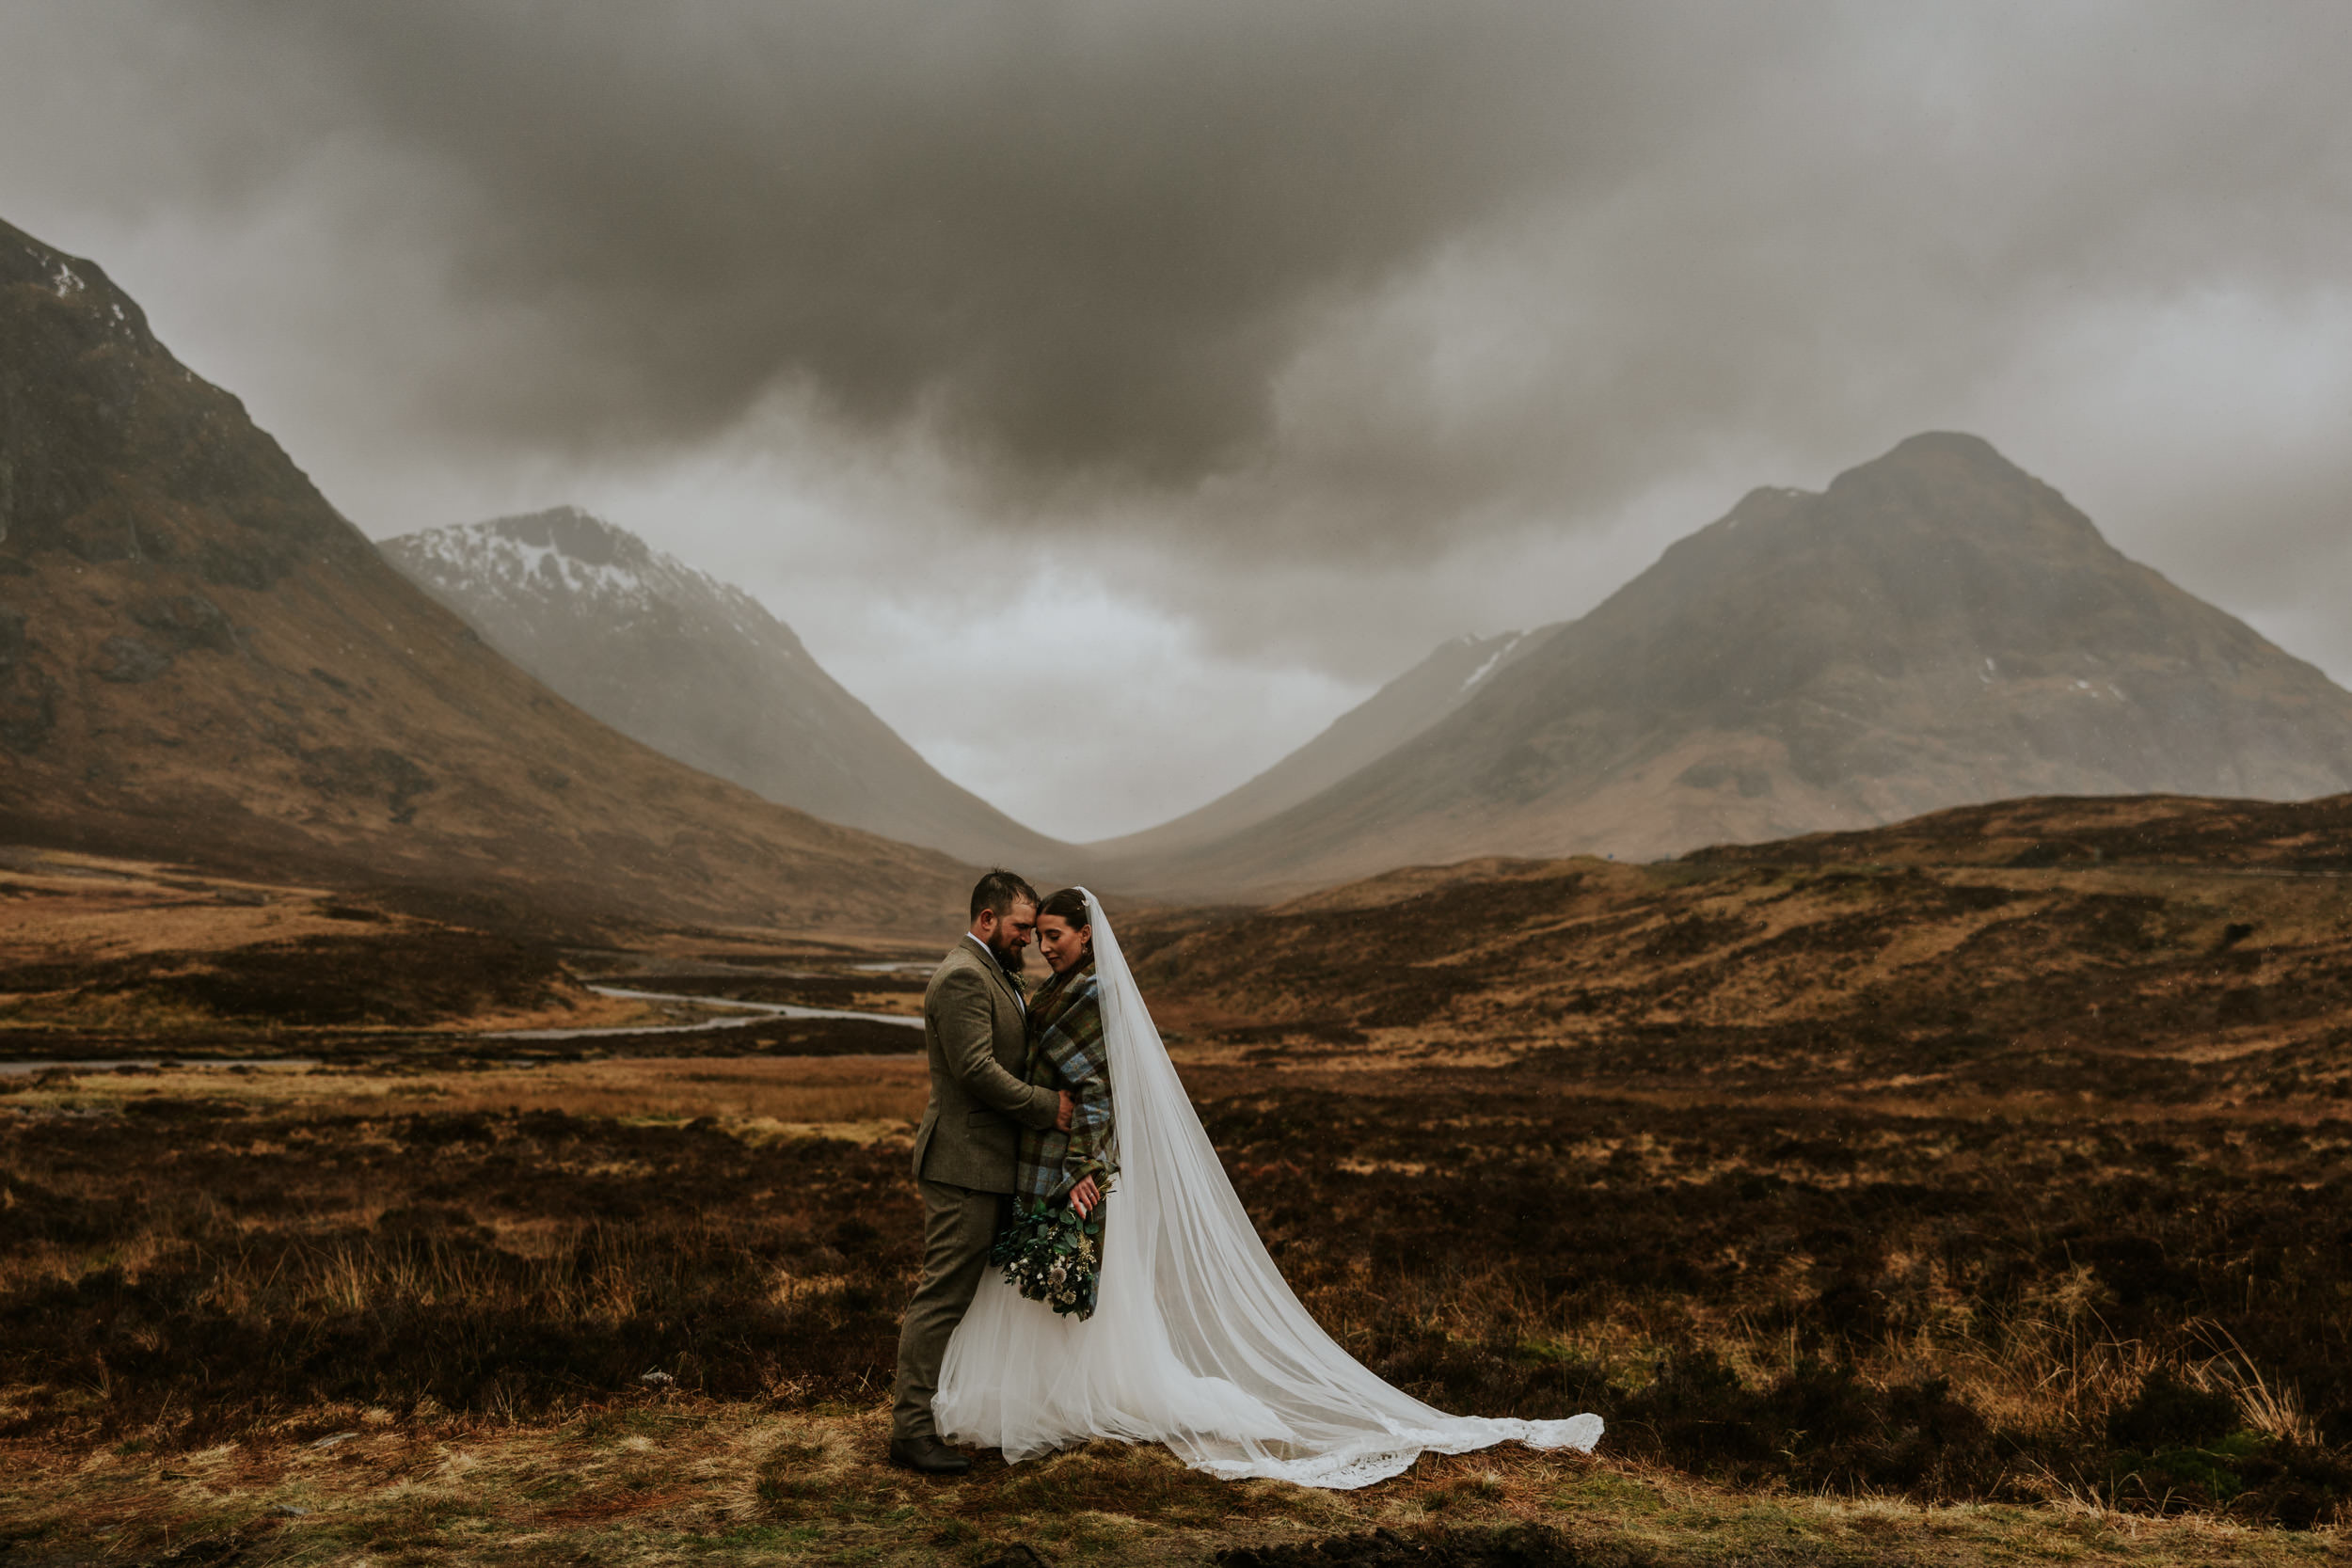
694	667
565	554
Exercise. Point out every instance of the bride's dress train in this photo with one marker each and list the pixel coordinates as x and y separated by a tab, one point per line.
1197	1342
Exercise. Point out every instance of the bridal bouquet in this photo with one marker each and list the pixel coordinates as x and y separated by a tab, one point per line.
1050	1255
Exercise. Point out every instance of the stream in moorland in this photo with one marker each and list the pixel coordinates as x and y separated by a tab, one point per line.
755	1012
110	1064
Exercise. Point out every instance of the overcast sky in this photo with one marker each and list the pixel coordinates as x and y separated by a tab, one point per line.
1111	393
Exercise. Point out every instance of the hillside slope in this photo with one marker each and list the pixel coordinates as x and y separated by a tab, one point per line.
2146	948
201	662
1364	734
1937	627
700	671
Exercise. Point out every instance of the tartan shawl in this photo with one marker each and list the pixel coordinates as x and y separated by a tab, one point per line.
1066	1051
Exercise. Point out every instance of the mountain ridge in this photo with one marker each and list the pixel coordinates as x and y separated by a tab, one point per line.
1935	628
1398	711
700	671
202	661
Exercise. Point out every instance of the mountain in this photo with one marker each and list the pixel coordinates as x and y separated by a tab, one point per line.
201	662
1936	629
1382	722
700	671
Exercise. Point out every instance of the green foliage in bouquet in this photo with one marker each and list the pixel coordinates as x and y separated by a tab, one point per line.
1050	1255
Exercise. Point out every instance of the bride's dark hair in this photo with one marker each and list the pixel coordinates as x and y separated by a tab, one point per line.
1070	904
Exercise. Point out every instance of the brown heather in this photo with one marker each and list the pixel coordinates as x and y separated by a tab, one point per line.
1899	1309
1818	1175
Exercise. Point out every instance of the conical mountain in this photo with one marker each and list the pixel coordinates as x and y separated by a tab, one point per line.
700	671
1936	629
200	661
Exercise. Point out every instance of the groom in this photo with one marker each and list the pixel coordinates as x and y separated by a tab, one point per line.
975	1026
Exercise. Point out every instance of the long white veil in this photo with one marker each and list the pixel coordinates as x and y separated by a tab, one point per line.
1197	1341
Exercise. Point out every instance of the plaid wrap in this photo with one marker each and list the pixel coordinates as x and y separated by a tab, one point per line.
1066	1053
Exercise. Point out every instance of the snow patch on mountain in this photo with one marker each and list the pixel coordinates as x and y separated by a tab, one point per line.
696	668
1504	646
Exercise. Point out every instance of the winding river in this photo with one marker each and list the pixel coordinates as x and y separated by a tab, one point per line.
753	1012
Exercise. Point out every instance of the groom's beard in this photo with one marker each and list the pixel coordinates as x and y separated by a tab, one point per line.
1008	959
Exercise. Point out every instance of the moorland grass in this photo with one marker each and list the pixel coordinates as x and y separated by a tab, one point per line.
2002	1323
673	1479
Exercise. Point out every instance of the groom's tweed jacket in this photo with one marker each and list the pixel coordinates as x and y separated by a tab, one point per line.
976	1034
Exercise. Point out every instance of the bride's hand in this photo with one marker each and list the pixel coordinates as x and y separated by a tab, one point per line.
1085	1195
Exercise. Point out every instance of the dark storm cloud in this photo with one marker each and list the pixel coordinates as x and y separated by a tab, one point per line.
1083	238
1382	271
1306	281
1269	343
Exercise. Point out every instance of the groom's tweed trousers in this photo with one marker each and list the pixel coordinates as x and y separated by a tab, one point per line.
975	1028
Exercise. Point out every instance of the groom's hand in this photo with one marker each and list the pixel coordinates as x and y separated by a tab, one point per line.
1085	1195
1069	1111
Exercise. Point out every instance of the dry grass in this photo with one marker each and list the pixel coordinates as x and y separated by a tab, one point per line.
857	1098
2169	983
657	1480
1946	1307
1840	1313
65	907
130	948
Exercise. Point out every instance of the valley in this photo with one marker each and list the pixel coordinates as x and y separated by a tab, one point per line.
1865	1009
1970	1186
627	1308
203	663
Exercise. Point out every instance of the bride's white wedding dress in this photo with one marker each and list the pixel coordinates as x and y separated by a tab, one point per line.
1197	1342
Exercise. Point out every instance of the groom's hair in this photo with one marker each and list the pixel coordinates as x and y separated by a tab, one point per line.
999	891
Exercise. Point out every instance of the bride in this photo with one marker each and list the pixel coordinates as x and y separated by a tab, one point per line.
1195	1341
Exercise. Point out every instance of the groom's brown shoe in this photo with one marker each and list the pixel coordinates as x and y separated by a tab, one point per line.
928	1455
